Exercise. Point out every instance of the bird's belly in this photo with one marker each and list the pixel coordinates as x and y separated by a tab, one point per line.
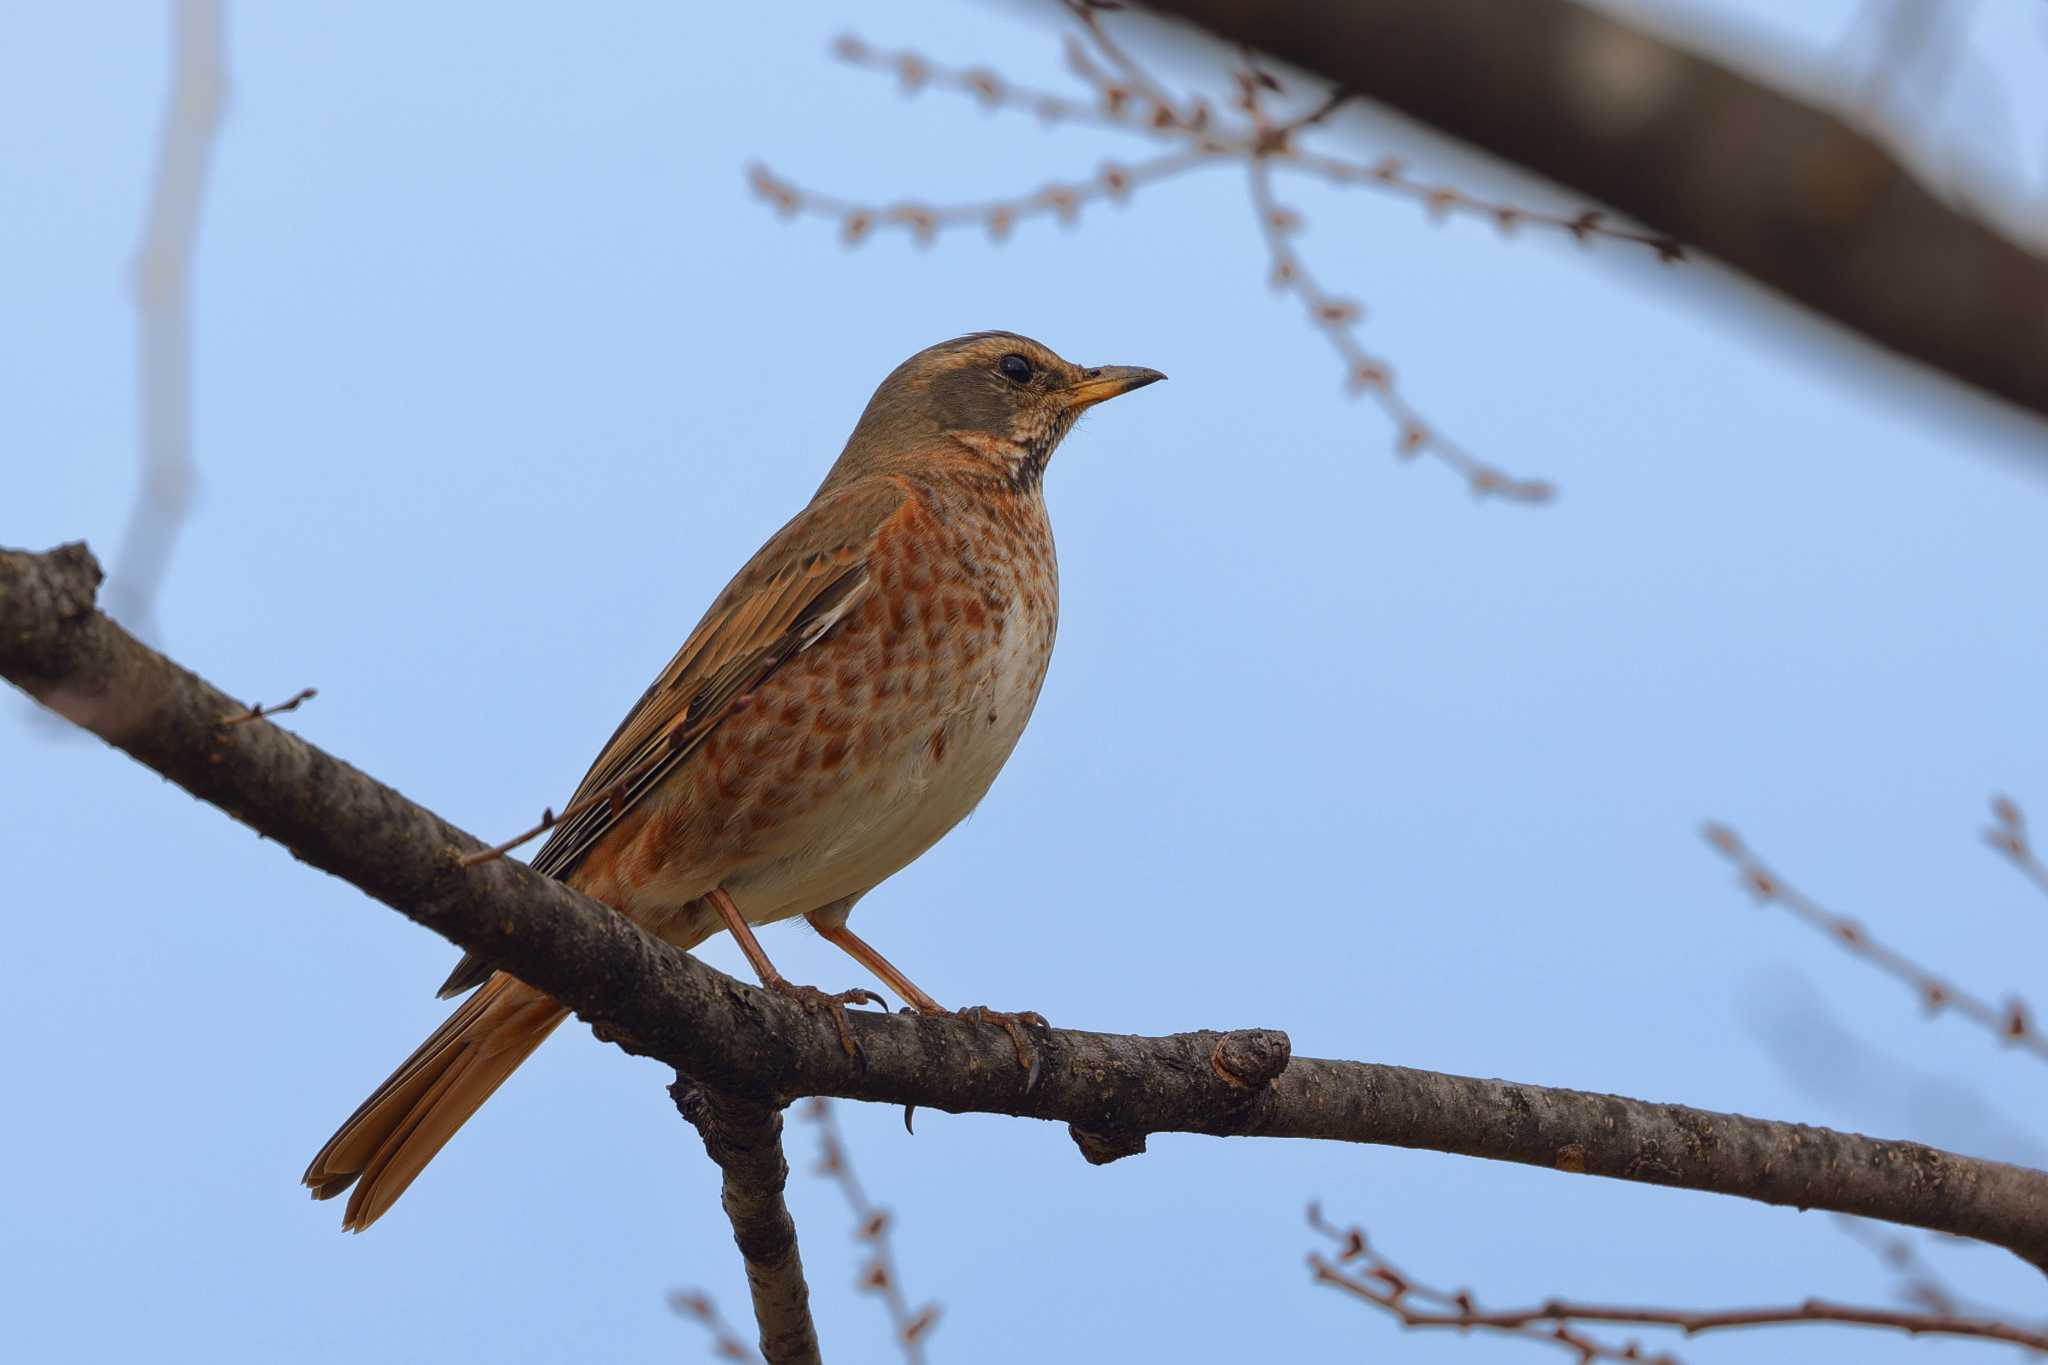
928	767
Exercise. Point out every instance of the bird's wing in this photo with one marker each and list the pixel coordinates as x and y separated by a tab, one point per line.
799	585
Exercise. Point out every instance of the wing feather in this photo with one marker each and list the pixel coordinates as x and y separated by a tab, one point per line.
788	598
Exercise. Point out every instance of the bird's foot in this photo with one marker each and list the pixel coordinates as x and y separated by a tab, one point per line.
813	1000
1014	1025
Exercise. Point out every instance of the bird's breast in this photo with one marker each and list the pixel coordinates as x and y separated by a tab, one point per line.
904	715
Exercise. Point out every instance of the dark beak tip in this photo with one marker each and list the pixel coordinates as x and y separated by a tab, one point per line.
1111	381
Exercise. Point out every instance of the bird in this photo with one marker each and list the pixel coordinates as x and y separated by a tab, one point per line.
846	700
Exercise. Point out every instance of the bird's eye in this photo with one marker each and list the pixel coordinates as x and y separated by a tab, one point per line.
1015	368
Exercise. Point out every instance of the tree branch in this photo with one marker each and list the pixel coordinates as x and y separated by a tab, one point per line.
1787	193
744	1136
1112	1090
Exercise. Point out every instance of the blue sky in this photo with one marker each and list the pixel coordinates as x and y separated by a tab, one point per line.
499	372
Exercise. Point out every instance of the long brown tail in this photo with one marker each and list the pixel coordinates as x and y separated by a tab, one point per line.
396	1132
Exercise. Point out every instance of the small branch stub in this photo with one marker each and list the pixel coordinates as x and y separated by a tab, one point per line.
260	711
1099	1147
1251	1058
1245	1060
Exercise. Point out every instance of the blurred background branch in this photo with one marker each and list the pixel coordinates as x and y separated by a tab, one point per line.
871	1225
162	283
1362	1272
2007	834
1786	192
2012	1022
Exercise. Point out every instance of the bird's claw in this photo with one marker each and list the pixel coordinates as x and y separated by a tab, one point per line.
1013	1023
813	1000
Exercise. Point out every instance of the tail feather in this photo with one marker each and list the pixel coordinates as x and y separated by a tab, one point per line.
397	1131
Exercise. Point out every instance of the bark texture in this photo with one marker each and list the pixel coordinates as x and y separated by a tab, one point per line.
744	1136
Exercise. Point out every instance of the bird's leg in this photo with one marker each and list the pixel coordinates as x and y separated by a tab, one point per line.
810	997
1013	1024
861	951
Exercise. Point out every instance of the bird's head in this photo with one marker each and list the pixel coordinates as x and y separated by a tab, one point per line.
997	397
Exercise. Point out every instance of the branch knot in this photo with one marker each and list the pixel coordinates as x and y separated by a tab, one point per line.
1251	1058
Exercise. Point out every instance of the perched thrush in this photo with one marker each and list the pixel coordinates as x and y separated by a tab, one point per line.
848	699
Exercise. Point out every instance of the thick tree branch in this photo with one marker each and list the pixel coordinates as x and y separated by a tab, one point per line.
1111	1089
1785	192
744	1136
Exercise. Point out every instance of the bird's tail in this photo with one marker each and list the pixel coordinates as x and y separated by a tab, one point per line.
396	1132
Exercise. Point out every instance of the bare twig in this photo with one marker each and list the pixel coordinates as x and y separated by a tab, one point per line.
549	817
1379	1282
1110	1089
1443	200
1130	99
2008	834
162	283
744	1136
698	1306
1919	1283
914	72
2013	1023
1113	183
1086	13
1335	319
259	711
871	1226
1563	1323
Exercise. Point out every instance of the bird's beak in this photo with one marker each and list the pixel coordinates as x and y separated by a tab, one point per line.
1097	385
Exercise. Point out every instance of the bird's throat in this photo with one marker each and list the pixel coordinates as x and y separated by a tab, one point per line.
1021	464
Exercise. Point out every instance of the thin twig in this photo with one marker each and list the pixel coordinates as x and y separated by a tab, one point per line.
1560	1322
1919	1283
1335	319
1114	182
1085	12
1331	103
2008	834
1379	1282
259	711
725	1343
871	1225
549	817
2013	1024
914	72
1442	200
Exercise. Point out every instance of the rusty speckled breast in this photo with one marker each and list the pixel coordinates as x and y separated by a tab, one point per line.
861	752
